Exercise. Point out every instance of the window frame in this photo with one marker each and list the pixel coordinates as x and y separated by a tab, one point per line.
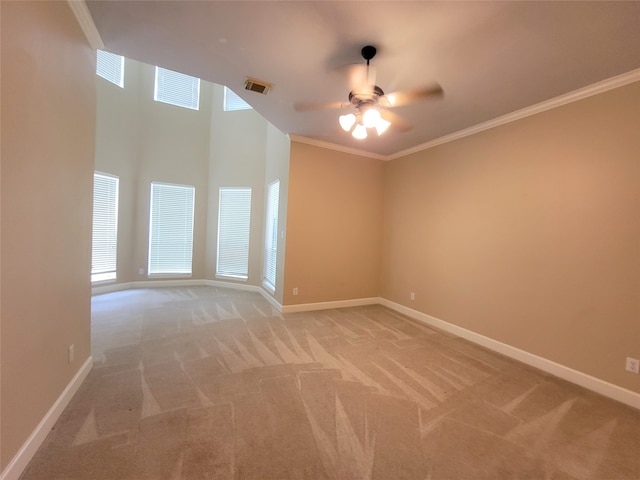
153	254
271	236
166	81
109	62
108	275
232	102
232	232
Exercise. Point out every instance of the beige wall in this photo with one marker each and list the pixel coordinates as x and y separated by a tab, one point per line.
48	125
333	226
528	233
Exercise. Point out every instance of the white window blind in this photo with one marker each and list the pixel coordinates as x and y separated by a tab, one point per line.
234	221
271	236
110	67
177	89
171	229
104	246
233	102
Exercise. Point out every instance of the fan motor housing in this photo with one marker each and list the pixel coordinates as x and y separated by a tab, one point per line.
360	99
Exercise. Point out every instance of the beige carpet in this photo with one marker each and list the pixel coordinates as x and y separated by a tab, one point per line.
206	383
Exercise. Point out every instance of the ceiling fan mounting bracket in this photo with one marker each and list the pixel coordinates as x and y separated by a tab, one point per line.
368	52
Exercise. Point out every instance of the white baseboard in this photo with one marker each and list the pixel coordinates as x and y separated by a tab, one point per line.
561	371
117	287
271	299
579	378
306	307
178	282
30	447
234	285
248	288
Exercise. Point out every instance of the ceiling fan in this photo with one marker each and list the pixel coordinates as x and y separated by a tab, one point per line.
369	102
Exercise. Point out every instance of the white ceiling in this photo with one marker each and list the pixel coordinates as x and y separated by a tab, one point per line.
491	58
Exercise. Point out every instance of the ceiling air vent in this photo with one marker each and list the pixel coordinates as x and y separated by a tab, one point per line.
257	86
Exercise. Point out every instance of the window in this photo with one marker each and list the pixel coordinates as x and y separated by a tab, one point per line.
105	227
233	102
234	220
171	229
177	89
271	236
110	67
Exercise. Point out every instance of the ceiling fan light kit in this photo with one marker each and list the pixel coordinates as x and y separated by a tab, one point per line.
360	132
371	103
347	121
371	118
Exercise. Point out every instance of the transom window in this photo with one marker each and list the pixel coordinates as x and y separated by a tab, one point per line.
232	101
177	89
110	67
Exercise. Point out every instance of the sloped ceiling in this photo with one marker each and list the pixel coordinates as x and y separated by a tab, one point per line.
491	58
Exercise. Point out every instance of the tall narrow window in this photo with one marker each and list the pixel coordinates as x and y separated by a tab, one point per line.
110	67
104	245
232	101
234	220
271	236
171	229
177	89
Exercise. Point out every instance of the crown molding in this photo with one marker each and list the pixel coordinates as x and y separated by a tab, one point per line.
574	96
85	20
580	94
336	147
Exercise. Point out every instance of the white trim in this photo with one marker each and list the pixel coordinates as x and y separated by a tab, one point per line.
267	295
559	101
30	447
237	286
306	307
561	371
85	20
334	146
589	382
564	99
116	287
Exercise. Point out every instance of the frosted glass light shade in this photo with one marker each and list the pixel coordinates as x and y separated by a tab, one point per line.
370	118
347	121
360	132
382	125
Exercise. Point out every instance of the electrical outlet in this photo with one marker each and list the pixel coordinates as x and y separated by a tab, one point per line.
71	353
295	290
141	271
633	365
412	296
